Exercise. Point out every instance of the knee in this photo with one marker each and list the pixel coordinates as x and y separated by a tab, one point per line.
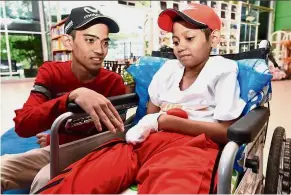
41	179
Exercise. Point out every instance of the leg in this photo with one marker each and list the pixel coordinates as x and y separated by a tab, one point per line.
111	168
41	179
18	170
69	154
184	165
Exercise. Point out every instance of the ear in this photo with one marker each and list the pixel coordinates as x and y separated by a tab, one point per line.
68	42
215	38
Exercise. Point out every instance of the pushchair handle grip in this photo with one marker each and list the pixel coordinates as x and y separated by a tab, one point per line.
75	108
115	100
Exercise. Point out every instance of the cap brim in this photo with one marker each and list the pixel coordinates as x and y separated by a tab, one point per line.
166	17
112	24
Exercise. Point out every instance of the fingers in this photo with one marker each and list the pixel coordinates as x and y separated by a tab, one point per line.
100	109
42	141
95	119
39	135
114	117
114	111
103	117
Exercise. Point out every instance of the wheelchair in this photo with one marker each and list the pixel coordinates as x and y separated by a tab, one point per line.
240	163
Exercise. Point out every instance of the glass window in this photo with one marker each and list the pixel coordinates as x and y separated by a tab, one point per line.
244	32
264	25
203	2
243	47
252	46
50	14
26	52
176	6
243	14
253	33
214	4
4	58
1	11
2	16
254	2
163	5
48	40
265	3
24	15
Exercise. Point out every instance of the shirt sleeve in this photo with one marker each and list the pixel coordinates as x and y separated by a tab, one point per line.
229	105
39	111
154	90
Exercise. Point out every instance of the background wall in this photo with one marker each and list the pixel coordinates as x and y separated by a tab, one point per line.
283	15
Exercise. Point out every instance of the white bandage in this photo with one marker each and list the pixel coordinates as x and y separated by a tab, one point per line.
144	127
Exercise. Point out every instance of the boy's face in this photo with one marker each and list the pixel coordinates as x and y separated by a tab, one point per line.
90	46
190	45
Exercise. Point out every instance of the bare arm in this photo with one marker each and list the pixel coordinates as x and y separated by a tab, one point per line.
152	108
215	131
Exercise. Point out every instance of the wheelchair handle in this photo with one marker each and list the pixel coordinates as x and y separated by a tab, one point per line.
115	100
119	102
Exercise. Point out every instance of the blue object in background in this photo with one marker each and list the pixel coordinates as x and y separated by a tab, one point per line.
142	72
11	143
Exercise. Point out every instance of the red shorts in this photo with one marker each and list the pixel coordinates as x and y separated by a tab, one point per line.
166	163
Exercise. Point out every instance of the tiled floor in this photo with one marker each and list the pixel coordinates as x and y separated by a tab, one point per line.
13	95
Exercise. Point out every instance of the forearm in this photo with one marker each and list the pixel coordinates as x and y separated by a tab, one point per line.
33	119
215	131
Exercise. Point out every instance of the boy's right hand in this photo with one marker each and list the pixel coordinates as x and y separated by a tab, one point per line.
99	108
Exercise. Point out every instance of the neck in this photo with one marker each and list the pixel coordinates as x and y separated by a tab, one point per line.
82	74
194	72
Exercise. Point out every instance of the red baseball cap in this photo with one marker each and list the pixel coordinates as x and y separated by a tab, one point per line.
201	16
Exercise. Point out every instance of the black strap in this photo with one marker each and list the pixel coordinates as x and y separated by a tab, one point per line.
49	185
214	171
43	90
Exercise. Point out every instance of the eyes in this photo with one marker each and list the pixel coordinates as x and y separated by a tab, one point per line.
92	41
188	39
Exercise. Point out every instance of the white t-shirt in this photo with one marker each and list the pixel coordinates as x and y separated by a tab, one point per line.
213	97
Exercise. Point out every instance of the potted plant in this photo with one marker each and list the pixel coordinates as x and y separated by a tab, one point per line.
29	52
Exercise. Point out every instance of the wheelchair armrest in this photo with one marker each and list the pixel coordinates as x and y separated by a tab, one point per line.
117	101
248	127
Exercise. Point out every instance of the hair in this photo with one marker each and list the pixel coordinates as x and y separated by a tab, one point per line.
207	31
73	34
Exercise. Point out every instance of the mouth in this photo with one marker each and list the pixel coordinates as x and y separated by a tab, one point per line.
184	57
96	59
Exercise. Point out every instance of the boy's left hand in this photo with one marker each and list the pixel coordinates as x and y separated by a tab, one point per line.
42	139
141	131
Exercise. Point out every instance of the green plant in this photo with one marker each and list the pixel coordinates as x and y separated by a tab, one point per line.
24	49
30	50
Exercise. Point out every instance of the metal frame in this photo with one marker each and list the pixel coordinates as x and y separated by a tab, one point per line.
226	167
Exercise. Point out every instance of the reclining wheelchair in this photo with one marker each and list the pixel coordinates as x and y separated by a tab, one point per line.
240	166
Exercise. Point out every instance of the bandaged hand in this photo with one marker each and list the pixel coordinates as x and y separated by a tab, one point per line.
142	129
149	124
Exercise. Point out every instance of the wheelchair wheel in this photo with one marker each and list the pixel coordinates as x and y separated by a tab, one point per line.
278	168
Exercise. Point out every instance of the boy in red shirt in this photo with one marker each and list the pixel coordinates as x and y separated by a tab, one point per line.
82	80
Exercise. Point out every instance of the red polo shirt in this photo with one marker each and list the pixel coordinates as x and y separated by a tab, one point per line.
39	111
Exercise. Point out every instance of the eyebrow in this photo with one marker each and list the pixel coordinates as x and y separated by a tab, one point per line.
89	35
184	33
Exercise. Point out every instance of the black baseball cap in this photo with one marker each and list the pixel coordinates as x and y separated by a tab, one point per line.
81	16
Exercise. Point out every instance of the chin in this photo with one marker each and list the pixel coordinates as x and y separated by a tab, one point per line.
95	68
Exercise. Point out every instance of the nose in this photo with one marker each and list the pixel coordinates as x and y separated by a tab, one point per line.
98	49
181	47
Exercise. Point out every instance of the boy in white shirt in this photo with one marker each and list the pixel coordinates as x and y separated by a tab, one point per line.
170	151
